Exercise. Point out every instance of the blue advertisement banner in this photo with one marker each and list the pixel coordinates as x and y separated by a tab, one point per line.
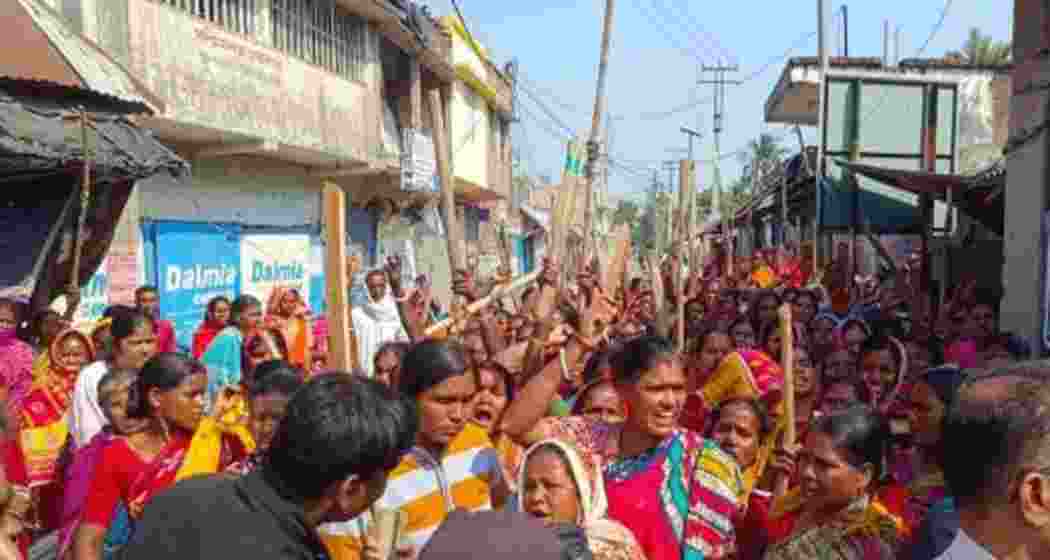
194	263
317	286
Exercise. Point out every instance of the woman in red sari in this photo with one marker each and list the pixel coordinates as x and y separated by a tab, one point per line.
179	442
44	430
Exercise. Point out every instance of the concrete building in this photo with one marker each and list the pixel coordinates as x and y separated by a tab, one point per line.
267	99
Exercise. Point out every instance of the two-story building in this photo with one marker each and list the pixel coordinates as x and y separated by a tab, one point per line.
269	98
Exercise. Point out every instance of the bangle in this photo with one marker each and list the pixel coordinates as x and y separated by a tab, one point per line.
565	375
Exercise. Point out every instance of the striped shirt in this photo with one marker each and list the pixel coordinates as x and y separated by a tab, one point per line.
425	490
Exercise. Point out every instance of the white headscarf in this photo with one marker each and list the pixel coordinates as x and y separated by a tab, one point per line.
375	323
594	505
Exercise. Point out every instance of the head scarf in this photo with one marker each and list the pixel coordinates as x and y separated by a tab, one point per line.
590	484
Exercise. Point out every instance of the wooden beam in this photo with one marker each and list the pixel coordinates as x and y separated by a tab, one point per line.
348	171
453	235
415	94
222	150
342	351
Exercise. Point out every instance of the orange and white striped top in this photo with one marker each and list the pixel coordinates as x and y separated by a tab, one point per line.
425	490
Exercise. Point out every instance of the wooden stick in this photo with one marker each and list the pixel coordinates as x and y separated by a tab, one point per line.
342	352
85	201
502	290
453	235
787	361
682	238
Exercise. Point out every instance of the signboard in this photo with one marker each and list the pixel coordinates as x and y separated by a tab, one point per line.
94	296
269	260
123	270
194	263
318	297
418	164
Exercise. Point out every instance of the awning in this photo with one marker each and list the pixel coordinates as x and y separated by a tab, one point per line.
916	182
44	57
36	141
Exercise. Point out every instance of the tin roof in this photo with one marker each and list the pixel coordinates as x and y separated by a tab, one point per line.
45	53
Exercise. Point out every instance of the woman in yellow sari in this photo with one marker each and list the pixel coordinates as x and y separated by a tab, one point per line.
287	312
44	430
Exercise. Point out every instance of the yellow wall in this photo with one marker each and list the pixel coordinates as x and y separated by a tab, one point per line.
470	128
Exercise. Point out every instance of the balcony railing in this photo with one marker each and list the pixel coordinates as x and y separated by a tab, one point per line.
322	33
237	16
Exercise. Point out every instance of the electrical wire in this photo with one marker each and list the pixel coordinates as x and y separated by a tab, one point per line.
688	53
547	110
803	40
711	40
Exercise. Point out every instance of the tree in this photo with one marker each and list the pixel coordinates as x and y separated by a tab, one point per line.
764	155
982	50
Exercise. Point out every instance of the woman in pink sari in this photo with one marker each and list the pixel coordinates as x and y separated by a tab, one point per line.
16	362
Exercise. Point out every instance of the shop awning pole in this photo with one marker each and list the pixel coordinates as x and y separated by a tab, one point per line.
85	201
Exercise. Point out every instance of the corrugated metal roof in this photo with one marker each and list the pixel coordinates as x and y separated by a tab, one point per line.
69	58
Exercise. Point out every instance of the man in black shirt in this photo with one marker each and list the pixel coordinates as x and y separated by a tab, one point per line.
328	462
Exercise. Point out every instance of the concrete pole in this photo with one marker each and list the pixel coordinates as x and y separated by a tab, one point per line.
822	50
596	124
1028	177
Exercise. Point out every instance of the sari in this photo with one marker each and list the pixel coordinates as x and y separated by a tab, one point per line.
744	374
863	530
16	372
44	425
203	337
213	447
223	360
679	498
295	328
77	485
607	539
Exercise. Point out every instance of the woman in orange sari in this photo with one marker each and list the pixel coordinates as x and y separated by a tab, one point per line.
44	430
287	312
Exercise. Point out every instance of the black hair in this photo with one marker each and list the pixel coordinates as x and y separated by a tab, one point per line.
855	322
112	377
508	380
572	317
639	355
214	302
581	396
396	347
270	367
280	378
430	363
998	424
765	425
264	337
598	360
859	431
242	304
114	310
126	322
741	320
859	388
338	425
147	289
165	371
38	320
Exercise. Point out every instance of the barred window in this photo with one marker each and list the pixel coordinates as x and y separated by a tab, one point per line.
322	33
237	16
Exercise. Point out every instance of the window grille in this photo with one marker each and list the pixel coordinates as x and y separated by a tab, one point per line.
322	33
237	16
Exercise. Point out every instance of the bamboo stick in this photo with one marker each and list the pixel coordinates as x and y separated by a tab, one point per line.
85	201
787	361
502	290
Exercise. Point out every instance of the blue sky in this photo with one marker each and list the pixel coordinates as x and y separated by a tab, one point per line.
657	48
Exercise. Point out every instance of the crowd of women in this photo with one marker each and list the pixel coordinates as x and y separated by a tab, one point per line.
573	403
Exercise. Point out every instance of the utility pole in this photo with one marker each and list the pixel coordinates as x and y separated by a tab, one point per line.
818	175
596	124
845	31
719	82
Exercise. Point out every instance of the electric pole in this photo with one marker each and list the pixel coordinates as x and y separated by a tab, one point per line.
596	124
719	82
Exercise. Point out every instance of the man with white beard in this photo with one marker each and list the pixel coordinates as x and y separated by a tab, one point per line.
377	320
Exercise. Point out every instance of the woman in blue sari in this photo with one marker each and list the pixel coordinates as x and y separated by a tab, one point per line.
224	357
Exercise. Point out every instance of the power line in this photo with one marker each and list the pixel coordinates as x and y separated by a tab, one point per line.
711	39
801	41
553	117
688	53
